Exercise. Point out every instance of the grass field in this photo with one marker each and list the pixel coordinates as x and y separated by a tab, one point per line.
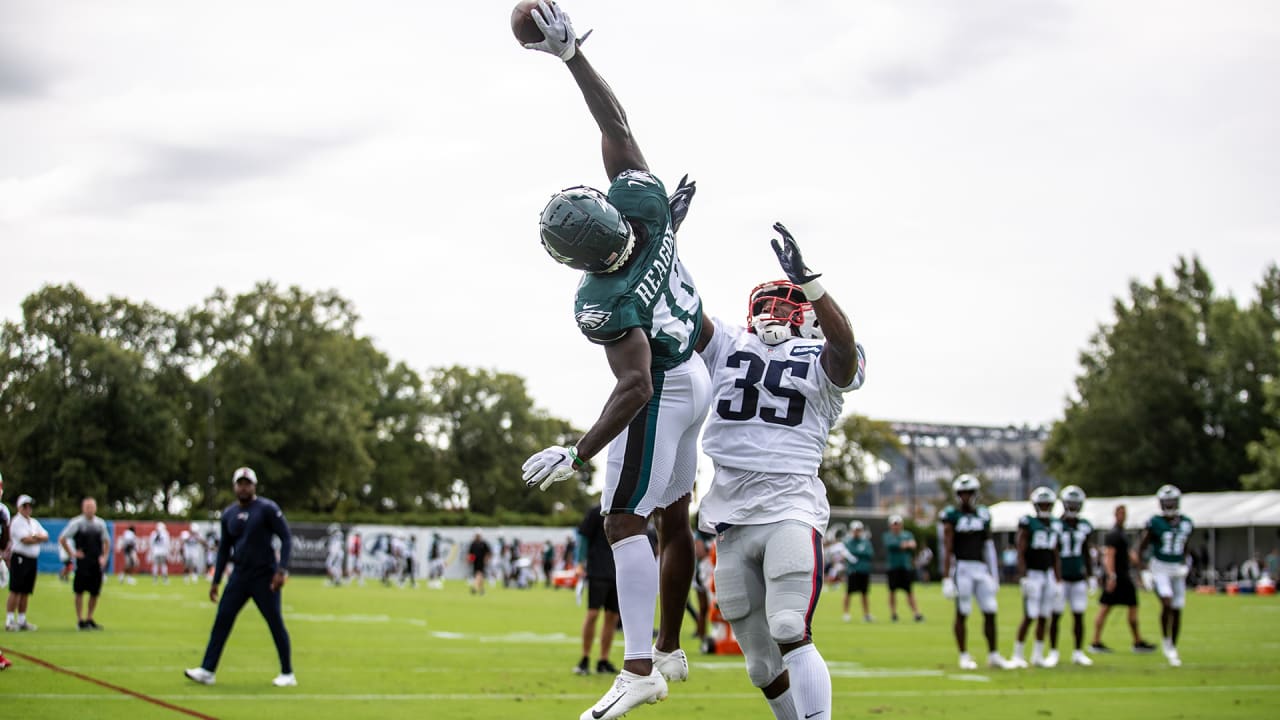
366	652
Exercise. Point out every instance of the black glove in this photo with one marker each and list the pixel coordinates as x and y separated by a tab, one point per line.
789	258
679	202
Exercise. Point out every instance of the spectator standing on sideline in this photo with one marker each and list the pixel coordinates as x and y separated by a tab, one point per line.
900	547
595	565
26	533
548	562
479	553
247	529
1118	587
5	518
92	548
859	553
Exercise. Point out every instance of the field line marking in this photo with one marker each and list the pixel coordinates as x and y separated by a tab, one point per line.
107	685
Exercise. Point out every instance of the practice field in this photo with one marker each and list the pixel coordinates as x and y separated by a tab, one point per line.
378	652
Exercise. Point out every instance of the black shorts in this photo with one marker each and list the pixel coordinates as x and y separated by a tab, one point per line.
477	569
900	579
858	583
88	579
22	574
1124	594
602	594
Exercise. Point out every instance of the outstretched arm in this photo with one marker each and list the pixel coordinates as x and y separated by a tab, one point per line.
616	142
840	354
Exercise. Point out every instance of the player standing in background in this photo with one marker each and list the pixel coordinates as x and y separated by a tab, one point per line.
91	550
1038	575
637	300
1167	534
129	553
353	557
26	534
1117	586
160	554
435	562
247	529
1076	565
478	553
969	568
334	556
595	567
860	553
900	547
777	388
192	552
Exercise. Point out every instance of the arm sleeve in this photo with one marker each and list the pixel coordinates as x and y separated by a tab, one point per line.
989	552
281	529
224	553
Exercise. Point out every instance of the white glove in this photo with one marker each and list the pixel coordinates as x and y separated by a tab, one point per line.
1058	591
1148	580
1025	584
549	466
558	37
948	589
1093	586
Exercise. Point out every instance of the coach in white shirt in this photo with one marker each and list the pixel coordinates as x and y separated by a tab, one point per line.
27	534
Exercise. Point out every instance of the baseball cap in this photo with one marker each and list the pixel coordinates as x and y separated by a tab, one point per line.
25	500
895	519
244	473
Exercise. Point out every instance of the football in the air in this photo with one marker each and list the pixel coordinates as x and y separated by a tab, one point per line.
522	24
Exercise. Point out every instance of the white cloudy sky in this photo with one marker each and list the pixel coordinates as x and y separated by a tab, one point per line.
978	180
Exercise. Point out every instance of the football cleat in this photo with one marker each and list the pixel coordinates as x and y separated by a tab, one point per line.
1079	658
674	665
967	663
1143	647
1171	655
847	617
25	626
1051	660
604	667
1017	663
200	675
285	680
629	691
583	667
1099	648
996	662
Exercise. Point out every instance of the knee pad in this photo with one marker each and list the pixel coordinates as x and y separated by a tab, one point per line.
787	626
762	671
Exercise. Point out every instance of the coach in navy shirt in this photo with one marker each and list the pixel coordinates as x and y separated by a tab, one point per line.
247	529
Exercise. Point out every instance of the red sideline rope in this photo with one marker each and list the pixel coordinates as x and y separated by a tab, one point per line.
107	685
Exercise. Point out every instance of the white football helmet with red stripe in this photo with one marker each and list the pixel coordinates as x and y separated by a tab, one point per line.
778	311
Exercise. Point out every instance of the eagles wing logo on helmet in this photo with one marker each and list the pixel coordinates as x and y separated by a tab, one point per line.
592	319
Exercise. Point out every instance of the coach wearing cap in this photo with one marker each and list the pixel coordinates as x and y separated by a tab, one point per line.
247	529
27	534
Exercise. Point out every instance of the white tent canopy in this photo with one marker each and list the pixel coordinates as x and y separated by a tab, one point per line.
1206	510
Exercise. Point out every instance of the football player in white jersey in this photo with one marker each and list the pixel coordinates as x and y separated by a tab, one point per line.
777	387
335	554
160	553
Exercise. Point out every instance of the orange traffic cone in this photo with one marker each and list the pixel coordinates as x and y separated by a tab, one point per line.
720	641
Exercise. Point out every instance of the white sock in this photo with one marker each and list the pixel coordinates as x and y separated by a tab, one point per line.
783	706
1037	650
637	579
8	619
1018	648
810	681
22	618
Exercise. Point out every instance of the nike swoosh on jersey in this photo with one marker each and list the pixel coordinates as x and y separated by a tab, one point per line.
588	306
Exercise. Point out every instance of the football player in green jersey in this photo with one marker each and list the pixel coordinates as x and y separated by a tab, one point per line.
1167	534
1039	576
969	568
1076	565
637	300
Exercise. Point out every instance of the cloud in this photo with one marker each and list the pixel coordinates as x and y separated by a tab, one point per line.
21	76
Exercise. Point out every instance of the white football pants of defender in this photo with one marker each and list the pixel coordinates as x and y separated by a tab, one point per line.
1074	593
973	580
1038	596
767	582
1170	580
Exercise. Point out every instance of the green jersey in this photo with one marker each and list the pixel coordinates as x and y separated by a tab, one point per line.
652	291
899	558
860	552
972	530
1042	541
1073	539
1169	537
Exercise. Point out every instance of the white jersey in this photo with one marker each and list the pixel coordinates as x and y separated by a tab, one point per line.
772	410
160	543
335	546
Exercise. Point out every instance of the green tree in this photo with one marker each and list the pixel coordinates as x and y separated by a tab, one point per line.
856	443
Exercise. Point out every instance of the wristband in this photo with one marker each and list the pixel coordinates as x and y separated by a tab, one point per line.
573	453
813	290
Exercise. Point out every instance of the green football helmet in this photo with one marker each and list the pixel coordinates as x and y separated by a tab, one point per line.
582	229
